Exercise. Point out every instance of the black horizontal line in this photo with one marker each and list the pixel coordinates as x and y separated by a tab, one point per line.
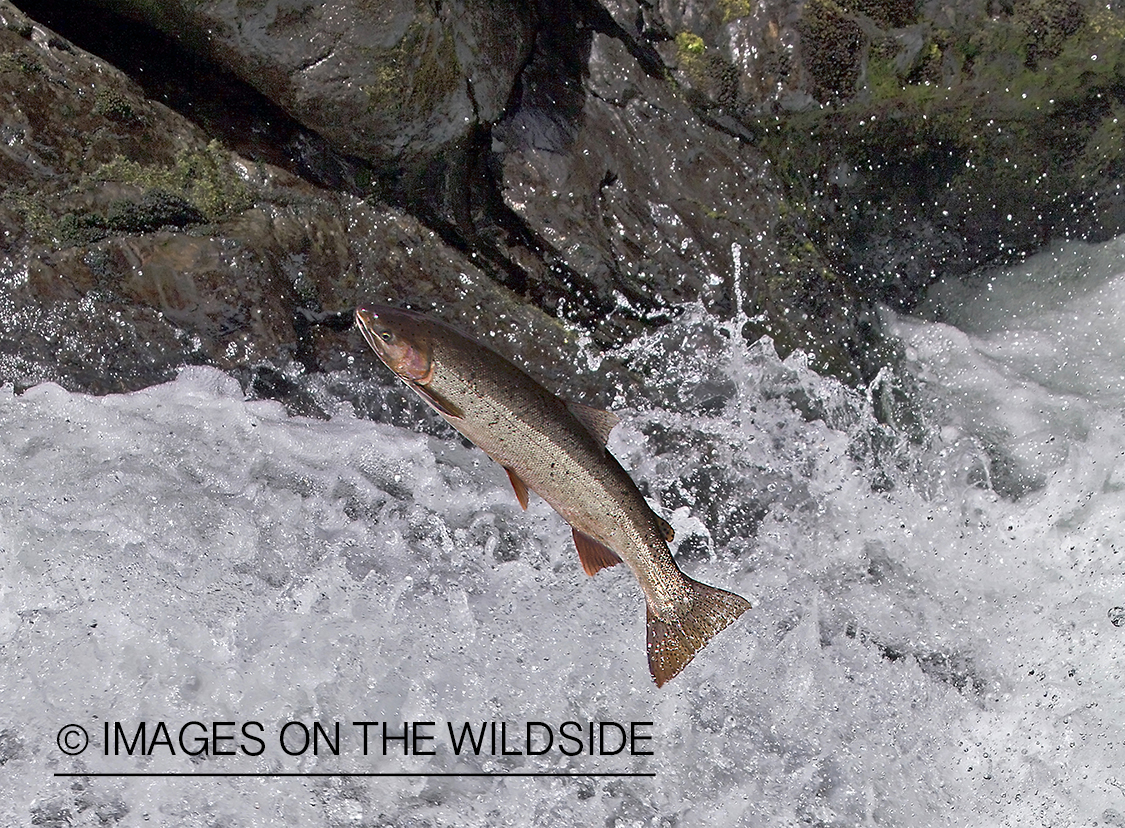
378	773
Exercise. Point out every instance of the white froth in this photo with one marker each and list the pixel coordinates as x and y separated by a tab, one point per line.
930	642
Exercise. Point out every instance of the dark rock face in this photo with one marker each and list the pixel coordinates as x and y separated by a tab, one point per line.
133	244
515	164
644	197
387	81
61	131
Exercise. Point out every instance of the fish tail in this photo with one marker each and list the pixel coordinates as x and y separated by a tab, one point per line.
672	644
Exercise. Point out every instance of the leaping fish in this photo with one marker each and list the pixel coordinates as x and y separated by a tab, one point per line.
557	450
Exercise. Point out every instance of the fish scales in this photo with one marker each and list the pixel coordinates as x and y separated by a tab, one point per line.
525	428
556	449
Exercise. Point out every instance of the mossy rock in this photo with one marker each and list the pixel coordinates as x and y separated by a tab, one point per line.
20	61
117	107
963	147
204	179
713	79
832	46
887	14
155	210
1048	25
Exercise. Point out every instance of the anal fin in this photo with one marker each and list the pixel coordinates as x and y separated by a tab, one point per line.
594	556
519	486
673	644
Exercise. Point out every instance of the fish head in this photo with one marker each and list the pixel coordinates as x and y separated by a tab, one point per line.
400	340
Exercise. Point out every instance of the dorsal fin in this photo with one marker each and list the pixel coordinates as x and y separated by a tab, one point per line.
594	556
598	421
665	528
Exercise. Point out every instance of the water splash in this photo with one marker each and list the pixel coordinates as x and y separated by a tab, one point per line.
927	644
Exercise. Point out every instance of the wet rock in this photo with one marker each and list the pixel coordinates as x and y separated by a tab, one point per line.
134	244
920	139
574	168
390	82
12	747
593	108
454	191
609	163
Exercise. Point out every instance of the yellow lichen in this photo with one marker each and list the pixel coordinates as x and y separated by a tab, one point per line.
689	45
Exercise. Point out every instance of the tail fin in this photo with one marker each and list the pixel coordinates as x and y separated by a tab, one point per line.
672	644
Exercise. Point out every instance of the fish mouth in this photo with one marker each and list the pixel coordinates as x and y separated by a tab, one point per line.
367	322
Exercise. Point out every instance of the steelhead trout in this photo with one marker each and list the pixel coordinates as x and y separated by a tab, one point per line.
557	450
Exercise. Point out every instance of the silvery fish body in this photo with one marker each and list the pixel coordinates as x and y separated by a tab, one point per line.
556	449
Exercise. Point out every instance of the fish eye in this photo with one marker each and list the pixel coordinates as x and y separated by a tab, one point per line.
386	336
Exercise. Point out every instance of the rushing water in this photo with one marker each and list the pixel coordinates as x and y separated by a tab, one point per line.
935	636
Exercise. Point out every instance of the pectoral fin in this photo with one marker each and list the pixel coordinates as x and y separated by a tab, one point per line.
593	555
438	402
519	486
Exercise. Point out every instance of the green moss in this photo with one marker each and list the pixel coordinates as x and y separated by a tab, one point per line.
1047	25
734	9
690	44
1105	24
881	80
418	73
115	106
37	219
690	51
1018	63
713	79
888	14
20	61
389	68
691	56
927	70
969	137
438	72
199	186
153	211
832	46
78	228
204	178
23	28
